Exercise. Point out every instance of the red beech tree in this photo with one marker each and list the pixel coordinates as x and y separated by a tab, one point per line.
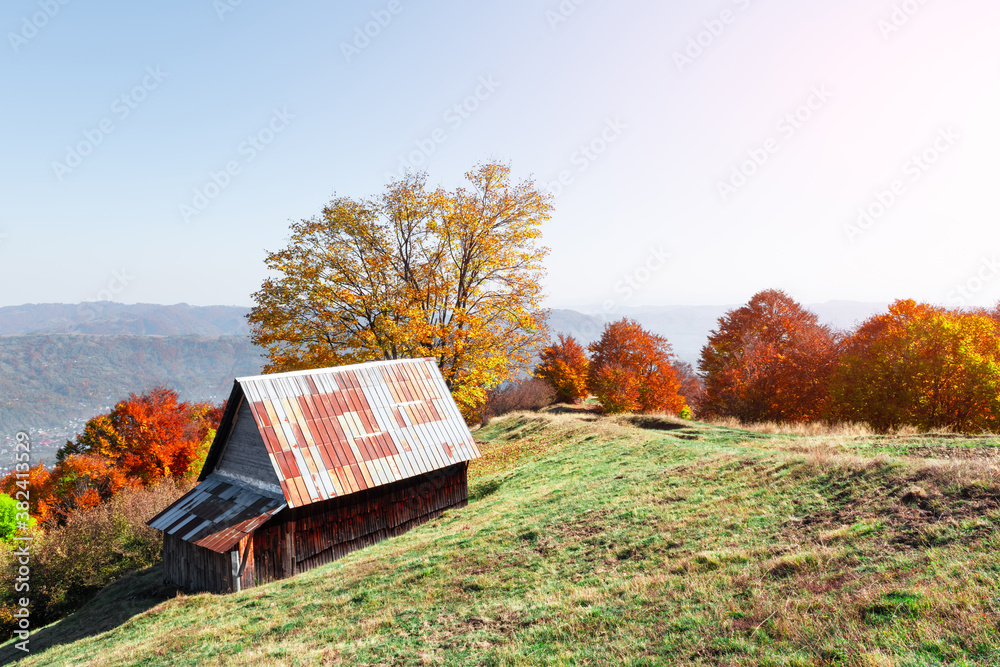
143	440
82	481
769	360
564	366
631	370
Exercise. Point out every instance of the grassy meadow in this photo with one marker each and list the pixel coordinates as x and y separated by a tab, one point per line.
624	541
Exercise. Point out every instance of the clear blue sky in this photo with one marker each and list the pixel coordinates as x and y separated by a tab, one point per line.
669	119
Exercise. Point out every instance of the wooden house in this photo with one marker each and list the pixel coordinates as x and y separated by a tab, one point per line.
310	465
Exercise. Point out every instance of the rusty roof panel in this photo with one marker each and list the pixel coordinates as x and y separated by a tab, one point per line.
336	431
218	513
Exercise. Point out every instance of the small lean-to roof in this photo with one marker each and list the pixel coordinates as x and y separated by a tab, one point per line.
218	513
335	431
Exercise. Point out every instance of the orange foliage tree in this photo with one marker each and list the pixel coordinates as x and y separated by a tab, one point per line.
564	366
923	366
143	440
631	370
146	437
39	486
82	481
769	360
161	440
417	272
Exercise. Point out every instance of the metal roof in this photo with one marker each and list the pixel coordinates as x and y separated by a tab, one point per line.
336	431
218	513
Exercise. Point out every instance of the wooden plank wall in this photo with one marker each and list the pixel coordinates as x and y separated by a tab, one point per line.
300	539
245	453
246	562
195	568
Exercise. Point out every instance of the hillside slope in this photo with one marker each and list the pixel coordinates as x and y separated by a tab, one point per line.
591	540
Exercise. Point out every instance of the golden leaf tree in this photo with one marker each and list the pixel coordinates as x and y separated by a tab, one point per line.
416	272
921	365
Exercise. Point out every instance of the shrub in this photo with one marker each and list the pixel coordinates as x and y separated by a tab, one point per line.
530	394
71	563
8	514
920	365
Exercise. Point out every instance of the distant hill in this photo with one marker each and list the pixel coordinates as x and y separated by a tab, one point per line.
109	317
52	383
686	327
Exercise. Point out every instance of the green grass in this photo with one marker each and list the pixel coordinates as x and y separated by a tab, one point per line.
624	541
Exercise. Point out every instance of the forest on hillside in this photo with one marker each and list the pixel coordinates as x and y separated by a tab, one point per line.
49	380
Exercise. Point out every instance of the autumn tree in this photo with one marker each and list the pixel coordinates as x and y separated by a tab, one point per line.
768	361
143	440
415	272
39	487
147	437
99	438
923	366
992	313
631	370
82	481
563	365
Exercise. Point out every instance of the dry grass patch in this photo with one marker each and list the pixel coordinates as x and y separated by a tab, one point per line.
804	429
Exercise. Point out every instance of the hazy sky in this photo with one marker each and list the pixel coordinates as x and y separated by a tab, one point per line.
706	150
